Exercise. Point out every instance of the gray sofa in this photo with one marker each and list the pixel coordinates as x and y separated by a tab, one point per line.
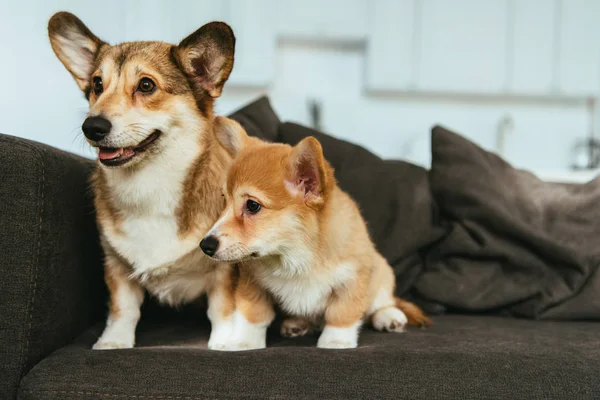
53	304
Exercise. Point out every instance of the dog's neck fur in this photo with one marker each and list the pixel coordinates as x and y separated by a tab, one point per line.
190	158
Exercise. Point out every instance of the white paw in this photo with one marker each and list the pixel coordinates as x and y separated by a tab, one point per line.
389	319
245	345
246	335
217	345
336	344
109	345
339	338
219	335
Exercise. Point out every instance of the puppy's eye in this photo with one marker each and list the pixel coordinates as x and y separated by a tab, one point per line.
97	85
252	206
146	85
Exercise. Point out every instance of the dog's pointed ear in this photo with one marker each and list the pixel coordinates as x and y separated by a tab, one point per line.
75	46
231	135
206	57
309	175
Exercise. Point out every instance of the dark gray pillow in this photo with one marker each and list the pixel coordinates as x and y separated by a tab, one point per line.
516	244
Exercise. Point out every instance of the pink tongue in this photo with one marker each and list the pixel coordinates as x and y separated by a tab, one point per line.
106	154
110	154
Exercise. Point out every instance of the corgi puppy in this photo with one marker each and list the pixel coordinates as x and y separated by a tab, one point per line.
160	168
301	243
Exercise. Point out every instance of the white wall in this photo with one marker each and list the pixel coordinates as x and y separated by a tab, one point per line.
384	71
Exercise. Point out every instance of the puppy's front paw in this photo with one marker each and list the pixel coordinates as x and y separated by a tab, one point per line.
295	327
106	345
389	319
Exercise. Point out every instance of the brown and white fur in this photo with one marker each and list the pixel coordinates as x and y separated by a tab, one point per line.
160	171
301	243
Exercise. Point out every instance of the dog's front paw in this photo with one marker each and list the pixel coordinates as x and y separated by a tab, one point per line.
245	345
217	345
339	338
295	327
332	343
107	345
219	335
389	319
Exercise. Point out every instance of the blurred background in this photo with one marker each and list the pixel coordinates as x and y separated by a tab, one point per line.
518	77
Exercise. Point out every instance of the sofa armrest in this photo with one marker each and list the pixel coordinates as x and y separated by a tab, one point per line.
51	284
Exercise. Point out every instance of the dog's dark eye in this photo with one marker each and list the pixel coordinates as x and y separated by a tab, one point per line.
146	85
97	85
252	206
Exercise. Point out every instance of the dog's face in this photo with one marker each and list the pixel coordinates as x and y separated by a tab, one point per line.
273	195
143	95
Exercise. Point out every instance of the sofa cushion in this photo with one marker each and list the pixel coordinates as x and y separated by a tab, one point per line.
51	284
517	244
459	357
258	119
393	196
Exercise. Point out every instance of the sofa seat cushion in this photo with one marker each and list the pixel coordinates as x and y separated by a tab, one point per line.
459	357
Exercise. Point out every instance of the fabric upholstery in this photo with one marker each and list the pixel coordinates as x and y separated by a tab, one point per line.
52	290
51	281
460	357
517	245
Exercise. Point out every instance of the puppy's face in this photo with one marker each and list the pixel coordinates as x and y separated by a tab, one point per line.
143	95
273	194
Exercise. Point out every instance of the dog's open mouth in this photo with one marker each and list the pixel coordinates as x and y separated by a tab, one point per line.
116	157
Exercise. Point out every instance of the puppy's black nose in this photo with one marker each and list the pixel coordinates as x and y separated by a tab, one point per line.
96	128
209	245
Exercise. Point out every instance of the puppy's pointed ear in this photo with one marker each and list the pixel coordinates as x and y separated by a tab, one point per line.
75	46
309	175
206	57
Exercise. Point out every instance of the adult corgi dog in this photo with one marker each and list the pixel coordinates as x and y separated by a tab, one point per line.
160	168
301	243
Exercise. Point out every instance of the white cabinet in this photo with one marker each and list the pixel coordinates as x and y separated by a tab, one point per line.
390	52
321	19
463	46
532	61
579	47
256	42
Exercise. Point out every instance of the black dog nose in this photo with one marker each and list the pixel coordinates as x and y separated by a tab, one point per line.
209	245
95	128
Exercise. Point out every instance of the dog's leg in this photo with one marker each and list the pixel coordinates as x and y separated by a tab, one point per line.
254	313
126	297
221	303
343	317
389	313
383	312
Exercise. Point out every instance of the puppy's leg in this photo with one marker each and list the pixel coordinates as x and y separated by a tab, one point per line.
221	303
392	314
254	313
296	326
343	317
126	297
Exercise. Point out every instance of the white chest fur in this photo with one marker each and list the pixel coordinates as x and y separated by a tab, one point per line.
306	293
169	265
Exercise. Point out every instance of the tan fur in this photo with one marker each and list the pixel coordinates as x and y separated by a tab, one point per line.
153	210
251	300
308	239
